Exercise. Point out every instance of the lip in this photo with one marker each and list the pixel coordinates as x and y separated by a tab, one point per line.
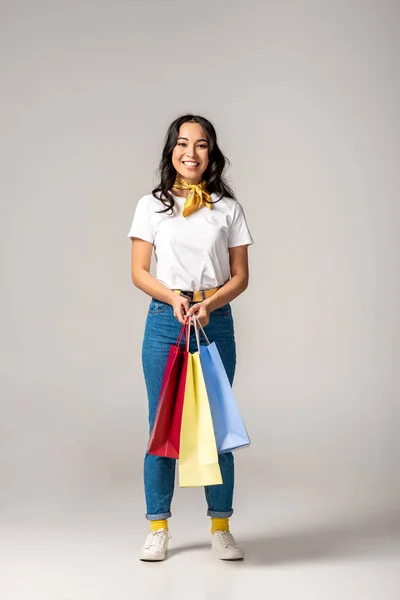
195	161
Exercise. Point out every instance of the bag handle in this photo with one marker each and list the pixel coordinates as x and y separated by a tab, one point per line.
185	329
197	326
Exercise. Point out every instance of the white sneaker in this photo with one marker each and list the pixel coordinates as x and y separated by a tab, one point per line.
224	546
155	546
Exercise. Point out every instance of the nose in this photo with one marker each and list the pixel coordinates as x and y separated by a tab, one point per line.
191	151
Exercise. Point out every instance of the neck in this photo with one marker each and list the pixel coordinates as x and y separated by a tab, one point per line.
192	181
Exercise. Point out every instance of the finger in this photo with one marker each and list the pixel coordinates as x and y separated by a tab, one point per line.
194	310
199	317
179	317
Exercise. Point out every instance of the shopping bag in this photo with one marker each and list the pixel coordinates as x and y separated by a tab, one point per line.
198	457
175	428
165	435
230	432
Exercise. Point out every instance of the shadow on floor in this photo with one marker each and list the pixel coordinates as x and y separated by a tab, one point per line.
372	534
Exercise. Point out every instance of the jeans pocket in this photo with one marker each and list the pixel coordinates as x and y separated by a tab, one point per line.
156	306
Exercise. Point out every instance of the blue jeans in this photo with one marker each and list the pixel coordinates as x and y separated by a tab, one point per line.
161	330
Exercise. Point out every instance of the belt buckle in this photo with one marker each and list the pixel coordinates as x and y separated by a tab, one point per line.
188	295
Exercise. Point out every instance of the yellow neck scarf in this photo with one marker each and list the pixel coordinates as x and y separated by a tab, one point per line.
197	195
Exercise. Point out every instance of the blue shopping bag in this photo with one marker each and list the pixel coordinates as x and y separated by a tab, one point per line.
230	432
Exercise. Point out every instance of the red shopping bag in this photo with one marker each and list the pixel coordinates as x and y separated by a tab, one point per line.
165	435
176	421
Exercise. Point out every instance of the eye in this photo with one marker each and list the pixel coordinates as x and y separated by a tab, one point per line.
203	145
181	144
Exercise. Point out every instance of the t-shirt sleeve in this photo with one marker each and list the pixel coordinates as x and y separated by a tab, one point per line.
239	233
141	225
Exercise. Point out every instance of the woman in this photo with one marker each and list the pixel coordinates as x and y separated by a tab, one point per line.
200	237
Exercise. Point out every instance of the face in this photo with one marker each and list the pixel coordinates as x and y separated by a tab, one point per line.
190	155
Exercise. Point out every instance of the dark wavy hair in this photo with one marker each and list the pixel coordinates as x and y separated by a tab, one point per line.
212	175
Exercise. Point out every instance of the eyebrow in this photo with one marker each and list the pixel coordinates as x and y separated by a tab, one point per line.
187	139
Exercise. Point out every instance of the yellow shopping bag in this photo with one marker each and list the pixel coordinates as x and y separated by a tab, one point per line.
198	457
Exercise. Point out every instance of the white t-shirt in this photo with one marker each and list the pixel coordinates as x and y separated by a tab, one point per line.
192	252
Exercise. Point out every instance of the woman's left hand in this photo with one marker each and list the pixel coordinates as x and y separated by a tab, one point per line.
201	311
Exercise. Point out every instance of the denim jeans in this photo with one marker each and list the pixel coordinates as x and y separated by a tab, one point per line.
161	330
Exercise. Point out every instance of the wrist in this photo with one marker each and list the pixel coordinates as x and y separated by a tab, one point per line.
208	304
172	296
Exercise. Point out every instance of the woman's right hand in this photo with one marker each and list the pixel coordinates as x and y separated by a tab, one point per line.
181	305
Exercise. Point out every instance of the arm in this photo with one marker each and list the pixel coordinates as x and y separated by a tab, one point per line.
142	279
239	266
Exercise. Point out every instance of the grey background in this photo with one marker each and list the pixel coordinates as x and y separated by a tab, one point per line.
304	96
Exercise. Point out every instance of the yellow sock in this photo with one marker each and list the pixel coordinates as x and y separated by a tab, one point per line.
162	524
219	524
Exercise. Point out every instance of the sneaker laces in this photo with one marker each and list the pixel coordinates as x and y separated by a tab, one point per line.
156	539
226	539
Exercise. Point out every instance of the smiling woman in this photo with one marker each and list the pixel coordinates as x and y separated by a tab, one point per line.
191	150
199	235
190	155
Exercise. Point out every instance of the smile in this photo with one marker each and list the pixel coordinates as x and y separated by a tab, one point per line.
189	163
